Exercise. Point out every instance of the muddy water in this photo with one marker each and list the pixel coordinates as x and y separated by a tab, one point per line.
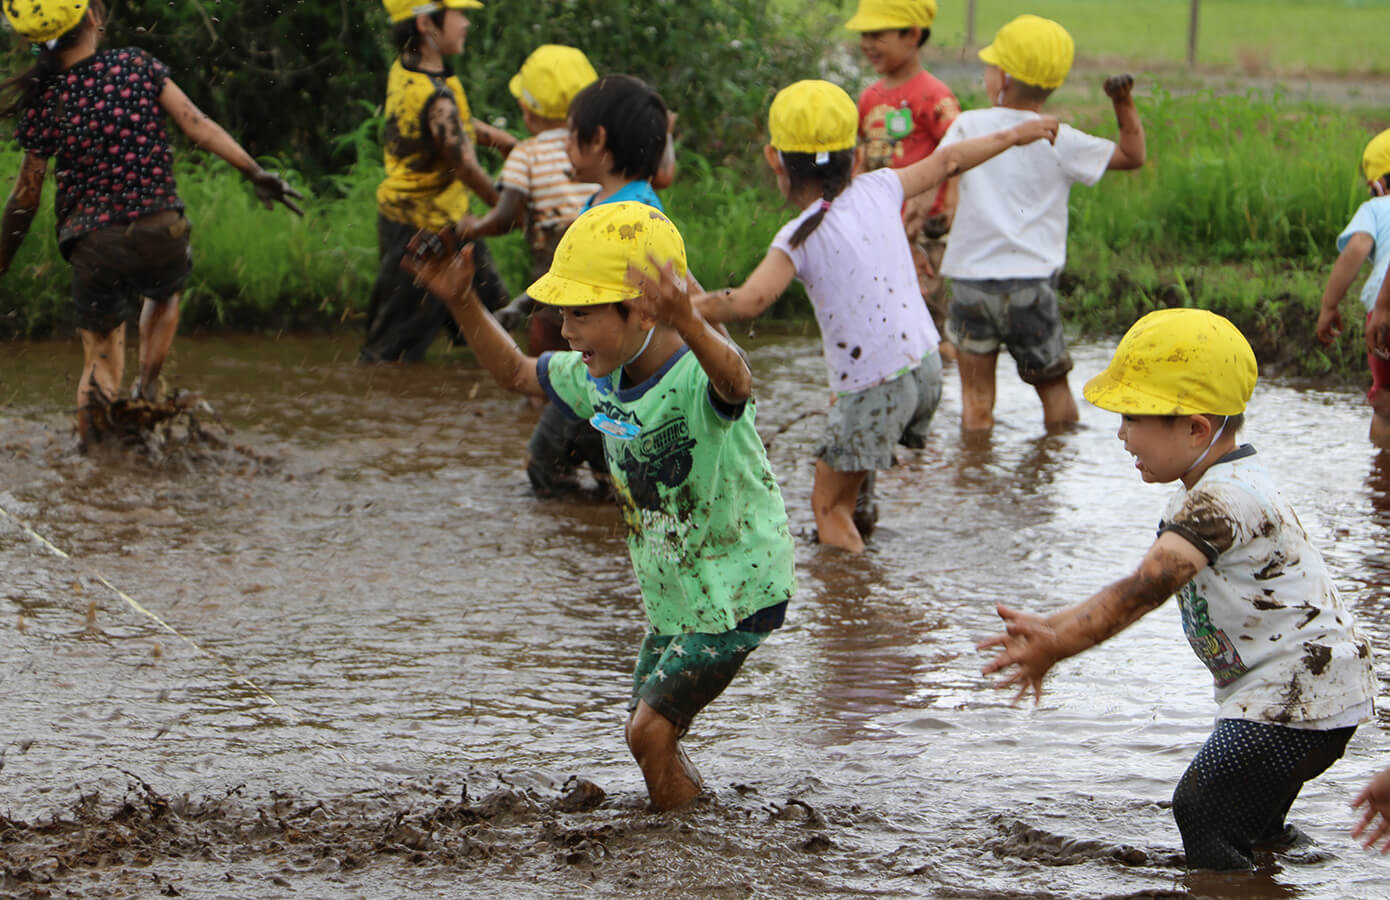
391	662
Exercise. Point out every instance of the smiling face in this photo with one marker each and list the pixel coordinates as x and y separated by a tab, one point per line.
888	51
604	338
1164	447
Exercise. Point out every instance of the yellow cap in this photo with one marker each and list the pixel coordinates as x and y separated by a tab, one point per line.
550	78
1177	362
400	10
39	21
881	15
813	117
590	265
1375	161
1032	49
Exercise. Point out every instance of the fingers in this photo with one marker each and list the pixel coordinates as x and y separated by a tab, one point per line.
290	204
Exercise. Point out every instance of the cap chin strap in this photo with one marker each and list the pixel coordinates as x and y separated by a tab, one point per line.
645	344
1216	437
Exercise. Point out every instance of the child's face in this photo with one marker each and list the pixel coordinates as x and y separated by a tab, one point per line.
889	50
604	339
1163	447
453	32
589	160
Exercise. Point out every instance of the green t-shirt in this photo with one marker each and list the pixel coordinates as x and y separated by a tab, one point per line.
706	524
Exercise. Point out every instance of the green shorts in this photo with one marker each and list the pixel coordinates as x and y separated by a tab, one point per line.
680	674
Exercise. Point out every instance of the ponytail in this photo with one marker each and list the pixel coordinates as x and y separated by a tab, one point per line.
19	91
833	176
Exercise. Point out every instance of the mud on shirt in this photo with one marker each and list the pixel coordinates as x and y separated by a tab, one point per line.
1264	616
707	528
102	124
420	188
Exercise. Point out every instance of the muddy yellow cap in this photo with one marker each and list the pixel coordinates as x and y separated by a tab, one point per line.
550	78
400	10
880	15
813	117
590	265
1177	362
1032	49
1375	161
39	21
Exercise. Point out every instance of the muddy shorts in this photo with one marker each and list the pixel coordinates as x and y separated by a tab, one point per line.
114	267
1380	379
1020	314
680	674
862	427
1240	785
559	446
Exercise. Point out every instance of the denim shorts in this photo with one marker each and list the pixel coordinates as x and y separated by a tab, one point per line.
1020	314
116	266
863	427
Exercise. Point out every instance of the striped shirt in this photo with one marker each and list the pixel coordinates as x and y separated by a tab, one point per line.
540	168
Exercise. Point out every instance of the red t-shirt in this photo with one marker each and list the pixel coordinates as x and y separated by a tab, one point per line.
902	125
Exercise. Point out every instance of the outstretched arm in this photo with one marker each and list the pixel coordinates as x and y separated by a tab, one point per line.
748	301
21	208
1034	644
1130	148
496	138
666	300
208	135
453	144
953	159
449	276
1359	246
502	218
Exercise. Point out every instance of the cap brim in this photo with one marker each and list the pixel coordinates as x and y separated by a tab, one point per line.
1107	392
462	4
871	22
989	55
515	86
557	290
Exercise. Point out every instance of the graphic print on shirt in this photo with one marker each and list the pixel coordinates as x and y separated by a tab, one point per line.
887	127
1210	643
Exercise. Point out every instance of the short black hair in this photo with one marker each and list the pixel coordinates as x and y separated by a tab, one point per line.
1030	93
921	38
634	121
405	35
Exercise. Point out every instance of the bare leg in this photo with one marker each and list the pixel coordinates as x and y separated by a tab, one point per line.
672	781
158	324
1380	420
976	389
832	500
103	365
1059	406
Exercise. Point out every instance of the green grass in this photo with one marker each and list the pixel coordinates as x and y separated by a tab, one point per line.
1332	36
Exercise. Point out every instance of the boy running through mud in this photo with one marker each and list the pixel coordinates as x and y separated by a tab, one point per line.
1292	675
707	528
100	115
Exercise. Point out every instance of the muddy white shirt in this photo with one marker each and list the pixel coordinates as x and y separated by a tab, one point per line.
858	272
1011	213
1264	616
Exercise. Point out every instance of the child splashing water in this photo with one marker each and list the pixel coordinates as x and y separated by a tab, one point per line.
120	219
849	248
707	528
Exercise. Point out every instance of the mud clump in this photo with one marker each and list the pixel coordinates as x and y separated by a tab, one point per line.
179	433
1018	840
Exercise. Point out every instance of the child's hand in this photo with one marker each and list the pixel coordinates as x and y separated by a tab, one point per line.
1119	87
1329	325
438	265
1376	798
1041	128
271	189
1377	332
467	228
1030	644
665	299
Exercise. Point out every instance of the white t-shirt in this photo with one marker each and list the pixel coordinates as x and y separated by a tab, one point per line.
1011	216
1264	616
857	268
1373	217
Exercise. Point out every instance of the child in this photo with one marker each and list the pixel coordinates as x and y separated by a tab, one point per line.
1376	798
848	248
1009	239
537	184
120	219
1293	676
619	138
902	118
706	525
430	170
1368	233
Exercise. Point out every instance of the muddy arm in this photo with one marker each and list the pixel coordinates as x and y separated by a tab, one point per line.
21	208
452	141
749	300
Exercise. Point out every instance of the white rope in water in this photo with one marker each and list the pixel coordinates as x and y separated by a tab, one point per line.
135	605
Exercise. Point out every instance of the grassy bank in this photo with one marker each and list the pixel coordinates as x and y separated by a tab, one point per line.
1237	211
